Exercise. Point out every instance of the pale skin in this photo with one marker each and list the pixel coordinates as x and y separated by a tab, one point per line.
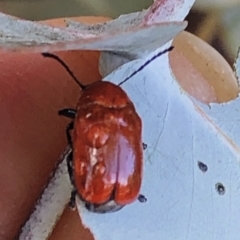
32	90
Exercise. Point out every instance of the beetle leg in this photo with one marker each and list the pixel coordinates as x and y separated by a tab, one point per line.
142	198
72	202
144	146
71	114
70	167
68	129
68	112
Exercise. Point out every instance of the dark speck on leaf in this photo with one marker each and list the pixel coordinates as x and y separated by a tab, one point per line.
202	166
220	188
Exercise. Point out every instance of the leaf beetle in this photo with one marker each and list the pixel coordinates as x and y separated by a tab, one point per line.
106	162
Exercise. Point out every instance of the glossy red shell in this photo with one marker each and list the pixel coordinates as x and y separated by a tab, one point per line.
107	146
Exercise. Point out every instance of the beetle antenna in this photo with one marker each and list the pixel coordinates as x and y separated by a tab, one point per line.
146	63
58	59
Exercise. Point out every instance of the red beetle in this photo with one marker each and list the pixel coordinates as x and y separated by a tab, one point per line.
106	162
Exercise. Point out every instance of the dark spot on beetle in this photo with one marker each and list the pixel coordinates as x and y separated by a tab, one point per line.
220	188
202	166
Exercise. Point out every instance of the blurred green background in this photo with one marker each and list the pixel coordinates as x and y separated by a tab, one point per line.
215	21
44	9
